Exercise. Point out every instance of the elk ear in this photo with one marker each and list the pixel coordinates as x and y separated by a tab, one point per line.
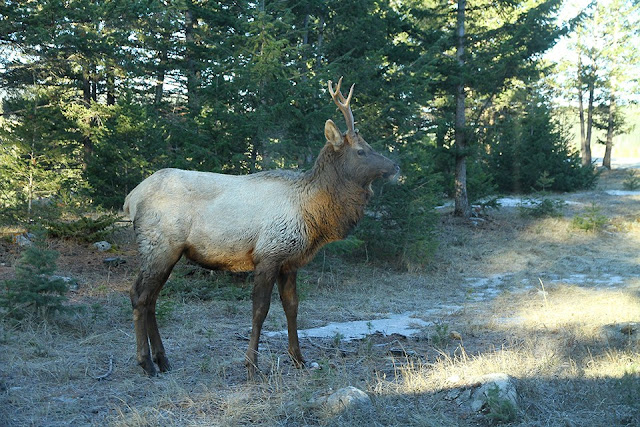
333	134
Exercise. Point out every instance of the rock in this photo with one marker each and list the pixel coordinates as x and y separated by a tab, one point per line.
23	239
394	351
102	246
348	398
503	383
628	328
455	335
114	261
314	366
71	283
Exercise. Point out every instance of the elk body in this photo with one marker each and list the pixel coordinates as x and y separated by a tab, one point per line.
270	222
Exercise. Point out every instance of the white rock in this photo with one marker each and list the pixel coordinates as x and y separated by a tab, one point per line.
22	240
102	246
506	390
347	398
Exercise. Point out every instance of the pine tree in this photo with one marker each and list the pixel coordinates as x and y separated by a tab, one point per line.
497	44
34	289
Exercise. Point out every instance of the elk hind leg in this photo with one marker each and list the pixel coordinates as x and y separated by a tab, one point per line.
144	295
139	301
157	348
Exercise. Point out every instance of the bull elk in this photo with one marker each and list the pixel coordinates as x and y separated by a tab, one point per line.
270	222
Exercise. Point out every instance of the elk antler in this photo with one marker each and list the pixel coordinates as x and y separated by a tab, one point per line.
343	104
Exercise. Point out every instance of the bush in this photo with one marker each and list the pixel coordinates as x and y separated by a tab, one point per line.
35	289
191	283
84	229
592	220
528	152
500	410
631	181
399	225
541	208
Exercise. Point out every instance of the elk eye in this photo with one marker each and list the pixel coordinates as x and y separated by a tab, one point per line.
361	152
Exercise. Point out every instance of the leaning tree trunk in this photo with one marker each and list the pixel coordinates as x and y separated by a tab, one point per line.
586	158
462	207
606	161
583	139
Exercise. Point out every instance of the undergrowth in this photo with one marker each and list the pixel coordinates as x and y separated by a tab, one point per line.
35	289
85	229
591	220
534	208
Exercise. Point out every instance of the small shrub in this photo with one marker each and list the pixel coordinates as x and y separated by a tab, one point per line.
500	410
545	181
592	220
400	220
441	338
193	283
337	339
34	289
533	208
631	181
84	229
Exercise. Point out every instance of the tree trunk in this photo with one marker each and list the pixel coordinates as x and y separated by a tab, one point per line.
583	140
159	90
191	69
111	87
94	83
462	207
586	158
87	145
305	45
320	41
606	161
86	87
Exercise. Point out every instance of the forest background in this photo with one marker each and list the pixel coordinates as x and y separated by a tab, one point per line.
97	95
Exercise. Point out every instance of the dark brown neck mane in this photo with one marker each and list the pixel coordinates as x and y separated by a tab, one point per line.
333	204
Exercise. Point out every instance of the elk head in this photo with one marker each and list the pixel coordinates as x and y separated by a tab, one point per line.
360	162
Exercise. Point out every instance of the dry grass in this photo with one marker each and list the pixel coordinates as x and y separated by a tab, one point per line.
571	346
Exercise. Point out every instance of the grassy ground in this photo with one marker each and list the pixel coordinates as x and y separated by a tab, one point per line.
553	306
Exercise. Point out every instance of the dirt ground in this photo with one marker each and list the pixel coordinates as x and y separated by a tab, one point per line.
553	306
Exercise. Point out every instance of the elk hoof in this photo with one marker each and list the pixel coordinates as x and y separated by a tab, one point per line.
297	359
148	367
163	363
251	373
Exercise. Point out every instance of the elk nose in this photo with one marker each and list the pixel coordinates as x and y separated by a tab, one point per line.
392	173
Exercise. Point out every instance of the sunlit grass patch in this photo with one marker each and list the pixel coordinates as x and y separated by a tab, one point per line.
587	309
614	363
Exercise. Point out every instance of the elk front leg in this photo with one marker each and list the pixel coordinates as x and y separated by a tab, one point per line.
261	296
289	298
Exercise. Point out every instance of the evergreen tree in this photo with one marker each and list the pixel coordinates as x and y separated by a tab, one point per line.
497	44
528	147
599	72
34	289
38	153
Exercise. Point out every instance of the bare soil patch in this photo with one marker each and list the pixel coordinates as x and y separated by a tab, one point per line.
553	306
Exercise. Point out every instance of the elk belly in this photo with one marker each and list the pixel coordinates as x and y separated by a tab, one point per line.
236	260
